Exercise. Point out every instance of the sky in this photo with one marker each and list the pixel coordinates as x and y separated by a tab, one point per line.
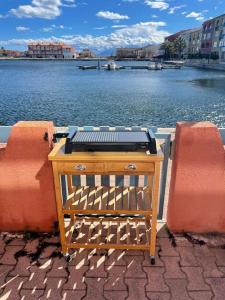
101	25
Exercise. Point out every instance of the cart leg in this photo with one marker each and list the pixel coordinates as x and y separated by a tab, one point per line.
154	212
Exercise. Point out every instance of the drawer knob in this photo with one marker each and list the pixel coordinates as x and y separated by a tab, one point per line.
131	167
80	167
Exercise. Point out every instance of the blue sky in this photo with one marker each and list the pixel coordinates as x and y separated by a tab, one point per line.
100	24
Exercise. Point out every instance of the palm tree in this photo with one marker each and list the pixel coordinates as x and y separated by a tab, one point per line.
168	48
179	46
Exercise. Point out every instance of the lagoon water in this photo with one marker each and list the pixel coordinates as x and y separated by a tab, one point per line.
59	91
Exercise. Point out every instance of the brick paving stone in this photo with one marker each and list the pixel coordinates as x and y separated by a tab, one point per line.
94	288
220	256
8	257
4	271
178	289
218	287
75	295
22	267
115	280
2	246
134	267
115	295
181	241
163	232
209	266
222	269
166	247
195	279
31	246
76	278
52	239
134	252
80	258
158	296
173	269
58	269
201	295
17	242
37	277
96	268
156	282
31	294
13	287
202	250
48	251
115	258
136	288
147	261
53	288
187	257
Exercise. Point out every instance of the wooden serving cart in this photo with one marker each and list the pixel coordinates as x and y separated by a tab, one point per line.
119	217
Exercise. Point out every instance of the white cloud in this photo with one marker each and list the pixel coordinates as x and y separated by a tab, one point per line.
139	34
119	26
130	1
111	15
173	9
54	27
157	4
45	9
22	28
197	16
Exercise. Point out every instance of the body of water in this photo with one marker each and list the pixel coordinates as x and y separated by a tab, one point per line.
59	91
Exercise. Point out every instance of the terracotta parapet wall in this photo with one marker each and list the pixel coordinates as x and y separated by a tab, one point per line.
27	198
197	188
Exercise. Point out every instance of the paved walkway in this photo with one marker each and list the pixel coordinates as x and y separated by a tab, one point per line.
184	269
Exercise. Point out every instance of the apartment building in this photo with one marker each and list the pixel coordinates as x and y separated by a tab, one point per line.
219	37
207	36
87	53
194	42
50	50
146	52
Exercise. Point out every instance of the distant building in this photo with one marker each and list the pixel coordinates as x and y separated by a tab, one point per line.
194	43
219	37
10	53
86	53
207	37
50	50
173	37
146	52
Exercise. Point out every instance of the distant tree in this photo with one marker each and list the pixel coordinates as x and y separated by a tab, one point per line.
168	48
179	46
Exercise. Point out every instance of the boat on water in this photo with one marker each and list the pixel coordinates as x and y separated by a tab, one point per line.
88	67
112	66
154	66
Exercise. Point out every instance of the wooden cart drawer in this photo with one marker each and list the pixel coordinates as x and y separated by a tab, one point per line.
130	167
81	168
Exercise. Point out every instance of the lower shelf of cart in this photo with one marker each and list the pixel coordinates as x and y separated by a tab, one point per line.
108	233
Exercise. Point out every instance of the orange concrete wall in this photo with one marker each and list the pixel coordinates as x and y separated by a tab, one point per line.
197	189
27	198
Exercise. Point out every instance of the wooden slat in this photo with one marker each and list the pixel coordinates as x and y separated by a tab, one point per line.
105	196
91	198
140	199
98	198
125	198
76	198
137	232
83	200
128	231
132	199
119	198
111	199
